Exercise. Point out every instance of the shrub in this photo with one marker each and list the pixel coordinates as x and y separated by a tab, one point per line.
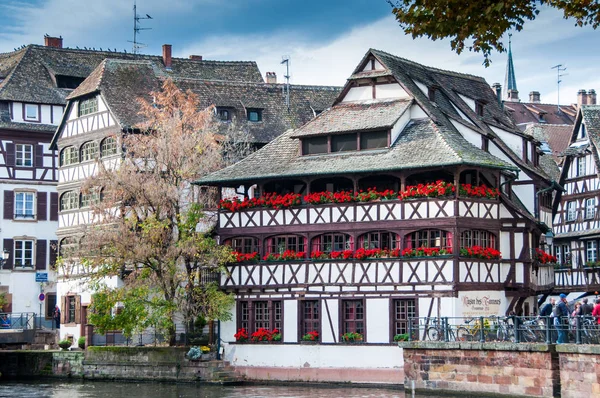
65	344
81	342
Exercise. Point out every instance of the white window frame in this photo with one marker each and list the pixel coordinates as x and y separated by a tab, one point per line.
108	147
36	109
21	155
69	155
69	201
590	208
558	254
24	205
590	251
572	210
567	254
23	253
87	106
581	166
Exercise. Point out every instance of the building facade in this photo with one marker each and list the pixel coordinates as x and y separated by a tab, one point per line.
413	196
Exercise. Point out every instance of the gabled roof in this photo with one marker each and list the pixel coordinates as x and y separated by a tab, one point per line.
122	82
422	144
556	136
30	73
356	116
526	113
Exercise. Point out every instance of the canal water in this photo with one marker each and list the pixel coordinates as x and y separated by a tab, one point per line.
101	389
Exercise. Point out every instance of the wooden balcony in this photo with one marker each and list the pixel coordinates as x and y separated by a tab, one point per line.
577	280
381	211
542	277
422	274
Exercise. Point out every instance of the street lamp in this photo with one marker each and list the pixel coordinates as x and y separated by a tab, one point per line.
5	256
549	238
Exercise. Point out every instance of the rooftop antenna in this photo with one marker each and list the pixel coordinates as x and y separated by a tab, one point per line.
559	69
136	29
286	61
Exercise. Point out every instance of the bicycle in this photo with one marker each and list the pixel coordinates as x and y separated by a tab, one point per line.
437	332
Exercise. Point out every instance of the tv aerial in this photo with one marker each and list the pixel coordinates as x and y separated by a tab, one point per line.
136	29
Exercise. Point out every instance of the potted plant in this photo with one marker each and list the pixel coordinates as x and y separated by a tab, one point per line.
241	336
194	354
310	337
65	344
401	337
81	342
351	338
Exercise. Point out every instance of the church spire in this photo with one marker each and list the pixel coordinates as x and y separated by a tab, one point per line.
510	83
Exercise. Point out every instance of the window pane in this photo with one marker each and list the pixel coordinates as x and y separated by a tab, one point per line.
377	139
31	112
311	146
345	142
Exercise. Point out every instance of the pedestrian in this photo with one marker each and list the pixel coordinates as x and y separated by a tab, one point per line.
561	318
546	310
4	322
56	317
577	311
596	311
586	309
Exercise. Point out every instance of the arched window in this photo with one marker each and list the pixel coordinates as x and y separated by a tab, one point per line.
478	237
68	156
90	198
108	147
68	246
89	151
69	200
243	244
281	243
332	242
432	238
379	240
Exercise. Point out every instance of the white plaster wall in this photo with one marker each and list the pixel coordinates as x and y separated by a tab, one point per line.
422	87
416	112
400	125
468	134
513	141
393	90
359	93
526	194
315	356
330	311
378	320
290	324
468	101
46	117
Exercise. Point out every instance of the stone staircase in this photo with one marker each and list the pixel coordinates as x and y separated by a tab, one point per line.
224	374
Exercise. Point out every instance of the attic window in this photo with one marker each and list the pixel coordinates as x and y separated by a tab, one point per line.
582	130
374	140
431	94
479	108
344	142
69	82
485	143
88	106
224	114
254	115
315	145
31	112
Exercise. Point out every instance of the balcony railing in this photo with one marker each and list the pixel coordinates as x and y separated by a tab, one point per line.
587	278
384	210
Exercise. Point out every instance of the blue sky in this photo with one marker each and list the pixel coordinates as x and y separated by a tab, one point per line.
325	39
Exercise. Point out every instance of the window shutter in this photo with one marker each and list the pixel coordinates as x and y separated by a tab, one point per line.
78	309
8	245
10	154
40	255
39	156
63	309
53	206
9	205
53	253
42	206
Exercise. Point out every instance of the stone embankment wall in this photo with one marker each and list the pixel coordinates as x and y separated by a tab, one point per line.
508	369
114	363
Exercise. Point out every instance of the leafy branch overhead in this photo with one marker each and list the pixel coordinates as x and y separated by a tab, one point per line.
480	25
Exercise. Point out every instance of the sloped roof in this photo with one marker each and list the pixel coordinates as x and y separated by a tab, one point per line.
525	113
122	82
421	144
355	116
557	136
30	73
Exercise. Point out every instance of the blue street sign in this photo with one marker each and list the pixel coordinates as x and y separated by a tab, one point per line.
41	277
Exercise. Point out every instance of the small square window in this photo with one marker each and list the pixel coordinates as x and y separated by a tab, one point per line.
88	106
224	114
254	115
24	155
23	253
24	203
32	112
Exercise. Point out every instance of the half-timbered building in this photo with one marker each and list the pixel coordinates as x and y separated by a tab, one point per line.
105	106
374	212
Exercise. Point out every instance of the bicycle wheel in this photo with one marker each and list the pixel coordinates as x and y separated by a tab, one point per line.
433	334
501	334
462	334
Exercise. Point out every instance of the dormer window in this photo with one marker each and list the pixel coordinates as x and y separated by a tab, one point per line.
88	106
479	108
374	140
344	142
69	82
254	115
582	130
485	143
223	114
315	145
31	113
431	94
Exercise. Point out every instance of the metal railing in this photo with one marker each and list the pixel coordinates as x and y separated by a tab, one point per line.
515	329
17	320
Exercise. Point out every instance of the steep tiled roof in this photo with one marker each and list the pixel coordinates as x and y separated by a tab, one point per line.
121	82
524	113
556	136
354	116
421	144
31	72
591	117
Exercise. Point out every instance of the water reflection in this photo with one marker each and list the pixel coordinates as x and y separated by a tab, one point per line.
98	389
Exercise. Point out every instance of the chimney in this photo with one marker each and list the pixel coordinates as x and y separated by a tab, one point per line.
271	77
582	97
55	42
534	97
167	55
498	88
591	97
196	57
513	95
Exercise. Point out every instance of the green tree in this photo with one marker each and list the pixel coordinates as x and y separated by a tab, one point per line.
150	223
482	23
